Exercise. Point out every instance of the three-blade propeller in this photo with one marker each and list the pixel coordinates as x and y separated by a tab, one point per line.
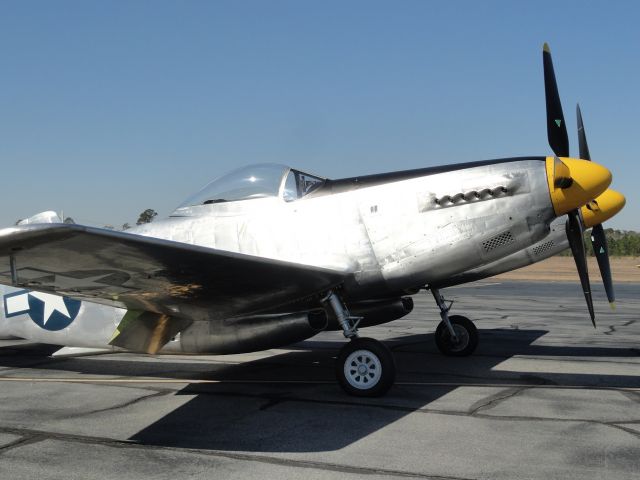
559	143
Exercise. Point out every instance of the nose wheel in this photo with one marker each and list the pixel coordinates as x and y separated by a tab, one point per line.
456	336
465	341
365	368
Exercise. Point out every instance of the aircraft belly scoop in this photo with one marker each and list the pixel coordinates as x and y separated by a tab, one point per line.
153	275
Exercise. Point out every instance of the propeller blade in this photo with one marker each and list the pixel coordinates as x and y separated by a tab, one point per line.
561	174
598	237
601	251
556	128
576	242
582	137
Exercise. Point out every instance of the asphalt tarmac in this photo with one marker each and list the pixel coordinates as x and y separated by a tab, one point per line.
545	396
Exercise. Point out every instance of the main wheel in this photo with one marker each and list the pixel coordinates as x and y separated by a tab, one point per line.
365	368
466	332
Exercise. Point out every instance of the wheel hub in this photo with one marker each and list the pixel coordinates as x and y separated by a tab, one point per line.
363	369
462	338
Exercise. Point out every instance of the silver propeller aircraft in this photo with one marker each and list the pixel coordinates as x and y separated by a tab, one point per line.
268	255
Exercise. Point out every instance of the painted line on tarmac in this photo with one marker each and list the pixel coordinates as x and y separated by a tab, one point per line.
144	380
474	286
304	382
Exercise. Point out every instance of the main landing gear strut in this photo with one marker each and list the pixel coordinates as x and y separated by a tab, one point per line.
365	367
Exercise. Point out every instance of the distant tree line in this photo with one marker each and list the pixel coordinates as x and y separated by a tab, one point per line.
622	243
145	217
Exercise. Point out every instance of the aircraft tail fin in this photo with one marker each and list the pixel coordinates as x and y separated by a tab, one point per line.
43	217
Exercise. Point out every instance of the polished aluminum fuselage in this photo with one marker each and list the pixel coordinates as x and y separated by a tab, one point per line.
390	238
393	236
552	244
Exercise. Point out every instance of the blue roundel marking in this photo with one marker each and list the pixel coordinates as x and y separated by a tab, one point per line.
57	320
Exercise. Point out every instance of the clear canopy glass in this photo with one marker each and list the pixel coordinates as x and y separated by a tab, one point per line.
256	181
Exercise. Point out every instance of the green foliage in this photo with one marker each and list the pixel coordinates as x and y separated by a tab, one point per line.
621	243
147	216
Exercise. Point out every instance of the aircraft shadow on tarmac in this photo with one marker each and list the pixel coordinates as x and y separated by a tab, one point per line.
291	403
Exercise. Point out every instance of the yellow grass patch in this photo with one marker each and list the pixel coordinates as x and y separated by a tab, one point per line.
561	269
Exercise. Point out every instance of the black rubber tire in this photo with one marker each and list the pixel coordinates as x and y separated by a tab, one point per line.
358	386
466	331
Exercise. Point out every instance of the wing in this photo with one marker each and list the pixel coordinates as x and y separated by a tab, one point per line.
154	275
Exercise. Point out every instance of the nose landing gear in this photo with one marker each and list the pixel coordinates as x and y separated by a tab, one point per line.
466	339
456	336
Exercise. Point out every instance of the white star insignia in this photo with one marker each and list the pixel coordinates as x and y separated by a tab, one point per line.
51	304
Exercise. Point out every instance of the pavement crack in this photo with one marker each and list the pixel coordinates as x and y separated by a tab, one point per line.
20	442
335	467
271	403
124	404
520	418
494	400
31	436
633	396
617	426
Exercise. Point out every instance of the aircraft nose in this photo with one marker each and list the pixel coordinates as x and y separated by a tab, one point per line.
574	182
602	208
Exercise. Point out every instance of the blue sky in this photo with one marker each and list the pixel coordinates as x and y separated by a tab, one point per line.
108	108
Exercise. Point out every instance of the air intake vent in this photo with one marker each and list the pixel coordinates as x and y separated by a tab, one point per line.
545	247
498	241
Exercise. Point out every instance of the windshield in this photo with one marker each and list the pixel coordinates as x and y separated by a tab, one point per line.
256	181
299	184
253	181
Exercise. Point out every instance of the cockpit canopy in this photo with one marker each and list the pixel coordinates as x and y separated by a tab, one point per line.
256	181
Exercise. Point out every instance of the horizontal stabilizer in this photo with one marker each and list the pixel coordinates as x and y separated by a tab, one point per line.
80	352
